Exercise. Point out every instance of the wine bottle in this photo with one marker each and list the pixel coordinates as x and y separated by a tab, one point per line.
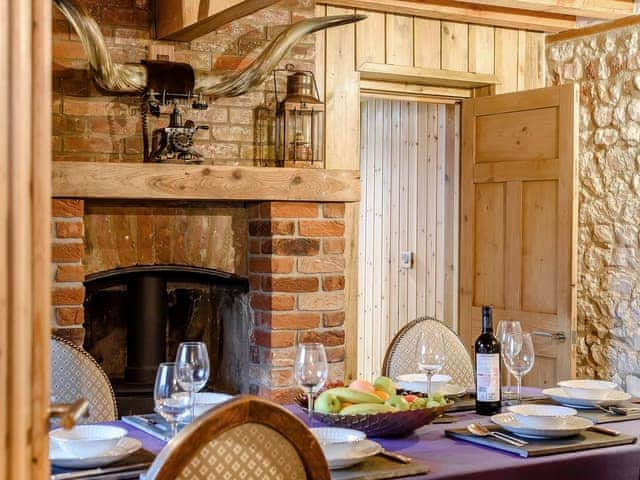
487	350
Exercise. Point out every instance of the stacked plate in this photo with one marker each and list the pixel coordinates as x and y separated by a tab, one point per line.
344	447
541	421
90	446
586	393
417	382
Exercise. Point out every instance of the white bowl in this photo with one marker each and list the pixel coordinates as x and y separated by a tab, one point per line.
205	401
417	382
588	389
337	442
85	441
542	416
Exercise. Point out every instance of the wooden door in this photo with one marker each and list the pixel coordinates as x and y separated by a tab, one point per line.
518	220
409	173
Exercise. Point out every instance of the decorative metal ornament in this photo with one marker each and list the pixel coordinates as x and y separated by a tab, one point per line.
176	140
180	78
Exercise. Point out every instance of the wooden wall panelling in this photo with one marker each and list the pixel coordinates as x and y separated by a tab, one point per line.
506	60
426	39
399	39
369	47
481	49
455	46
531	60
431	165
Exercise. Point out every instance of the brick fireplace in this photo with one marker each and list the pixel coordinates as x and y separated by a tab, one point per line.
291	253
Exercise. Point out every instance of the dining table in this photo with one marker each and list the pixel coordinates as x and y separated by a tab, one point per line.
449	458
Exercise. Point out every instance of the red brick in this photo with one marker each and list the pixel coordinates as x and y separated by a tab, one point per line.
67	316
321	228
323	264
290	284
68	49
270	265
272	302
69	273
333	319
253	210
69	229
321	301
333	245
67	208
279	395
333	282
67	296
265	228
278	357
289	210
255	245
290	321
333	210
66	252
95	108
277	339
335	354
282	377
74	335
90	143
227	62
291	246
329	338
255	281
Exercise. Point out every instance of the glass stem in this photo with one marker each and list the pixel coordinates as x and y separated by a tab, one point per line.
192	402
173	430
429	375
310	404
518	387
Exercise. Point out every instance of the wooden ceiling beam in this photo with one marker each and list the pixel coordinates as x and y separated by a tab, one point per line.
186	20
601	9
466	12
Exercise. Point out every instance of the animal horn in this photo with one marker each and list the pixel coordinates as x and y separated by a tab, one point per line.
134	78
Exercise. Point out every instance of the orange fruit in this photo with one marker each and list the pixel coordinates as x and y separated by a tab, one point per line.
383	395
345	405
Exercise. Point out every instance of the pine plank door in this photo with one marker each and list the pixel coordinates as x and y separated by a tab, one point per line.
518	221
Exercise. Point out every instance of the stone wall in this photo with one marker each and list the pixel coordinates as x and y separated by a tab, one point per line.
607	68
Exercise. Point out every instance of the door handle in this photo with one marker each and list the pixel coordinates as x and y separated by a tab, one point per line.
560	336
69	413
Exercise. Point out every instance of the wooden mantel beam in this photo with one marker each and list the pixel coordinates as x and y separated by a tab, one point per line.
152	181
601	9
186	20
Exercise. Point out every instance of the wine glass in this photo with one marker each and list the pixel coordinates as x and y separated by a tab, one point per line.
505	327
519	357
192	363
171	401
311	370
430	354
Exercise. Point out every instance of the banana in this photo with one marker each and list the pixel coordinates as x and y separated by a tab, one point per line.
346	394
366	409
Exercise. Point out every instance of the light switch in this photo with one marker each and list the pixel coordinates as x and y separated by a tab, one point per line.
406	259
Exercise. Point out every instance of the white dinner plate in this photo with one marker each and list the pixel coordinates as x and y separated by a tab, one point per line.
448	390
205	401
573	426
560	396
125	447
358	454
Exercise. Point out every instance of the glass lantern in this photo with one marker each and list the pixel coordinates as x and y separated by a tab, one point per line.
299	131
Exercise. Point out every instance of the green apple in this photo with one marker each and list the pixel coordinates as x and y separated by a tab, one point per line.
385	384
433	404
418	403
327	403
398	402
436	397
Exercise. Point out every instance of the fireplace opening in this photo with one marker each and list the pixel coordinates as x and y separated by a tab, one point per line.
136	317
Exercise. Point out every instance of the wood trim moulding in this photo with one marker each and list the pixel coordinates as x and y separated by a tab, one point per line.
600	9
466	12
411	92
152	181
593	29
425	76
183	20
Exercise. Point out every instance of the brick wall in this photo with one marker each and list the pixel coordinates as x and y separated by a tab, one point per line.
89	125
296	276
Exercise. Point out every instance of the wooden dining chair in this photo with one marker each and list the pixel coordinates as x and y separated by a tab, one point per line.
244	438
400	357
75	374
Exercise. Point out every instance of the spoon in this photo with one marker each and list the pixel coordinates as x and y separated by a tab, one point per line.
482	431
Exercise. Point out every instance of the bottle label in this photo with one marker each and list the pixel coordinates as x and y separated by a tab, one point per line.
488	377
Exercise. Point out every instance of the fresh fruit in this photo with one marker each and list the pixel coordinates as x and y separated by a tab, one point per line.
419	402
397	401
354	396
366	409
410	398
345	405
363	386
382	395
327	403
433	404
385	384
438	397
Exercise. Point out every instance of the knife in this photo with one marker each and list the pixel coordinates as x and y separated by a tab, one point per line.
151	423
398	457
100	471
606	431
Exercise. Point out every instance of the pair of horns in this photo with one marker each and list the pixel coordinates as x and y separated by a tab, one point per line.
137	78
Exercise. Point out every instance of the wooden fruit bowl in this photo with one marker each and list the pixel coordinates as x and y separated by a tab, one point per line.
393	424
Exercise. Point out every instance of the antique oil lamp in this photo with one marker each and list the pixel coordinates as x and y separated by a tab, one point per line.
299	129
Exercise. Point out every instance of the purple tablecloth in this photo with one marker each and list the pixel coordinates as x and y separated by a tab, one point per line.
455	459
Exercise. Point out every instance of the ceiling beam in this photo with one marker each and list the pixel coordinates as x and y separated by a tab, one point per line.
600	9
466	12
186	20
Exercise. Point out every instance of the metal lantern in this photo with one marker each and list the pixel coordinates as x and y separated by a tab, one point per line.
299	131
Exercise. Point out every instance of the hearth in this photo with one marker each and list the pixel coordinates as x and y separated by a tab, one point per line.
135	317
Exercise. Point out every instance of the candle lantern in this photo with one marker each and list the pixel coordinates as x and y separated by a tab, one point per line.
299	129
